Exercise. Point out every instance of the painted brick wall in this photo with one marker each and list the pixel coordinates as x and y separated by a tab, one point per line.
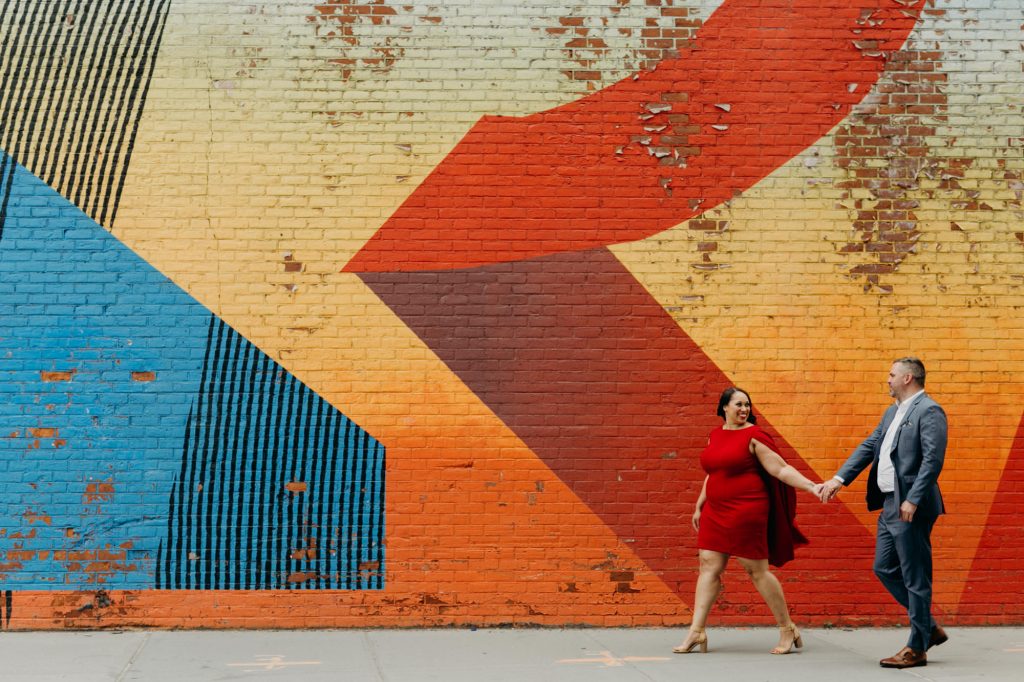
367	313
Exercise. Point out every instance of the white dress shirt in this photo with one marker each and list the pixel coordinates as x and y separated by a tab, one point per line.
886	477
886	471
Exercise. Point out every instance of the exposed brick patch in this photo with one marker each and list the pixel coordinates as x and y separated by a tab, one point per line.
98	565
886	148
290	264
711	226
250	57
1015	183
98	491
603	41
144	376
300	577
251	60
31	517
57	376
303	554
363	31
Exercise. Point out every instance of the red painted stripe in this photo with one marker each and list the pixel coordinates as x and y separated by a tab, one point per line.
763	81
994	593
585	366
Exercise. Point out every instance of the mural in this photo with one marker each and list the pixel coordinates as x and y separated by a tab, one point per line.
244	249
148	444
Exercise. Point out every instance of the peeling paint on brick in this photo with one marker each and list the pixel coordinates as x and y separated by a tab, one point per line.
98	564
885	149
707	230
98	491
601	42
57	376
363	34
292	265
33	517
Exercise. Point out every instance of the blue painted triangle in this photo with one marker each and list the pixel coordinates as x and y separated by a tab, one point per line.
147	444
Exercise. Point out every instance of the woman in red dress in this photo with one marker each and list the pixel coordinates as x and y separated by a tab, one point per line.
743	511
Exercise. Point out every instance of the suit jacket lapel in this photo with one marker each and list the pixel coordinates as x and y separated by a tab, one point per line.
887	417
903	422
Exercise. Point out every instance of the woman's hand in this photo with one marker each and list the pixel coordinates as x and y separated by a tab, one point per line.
695	520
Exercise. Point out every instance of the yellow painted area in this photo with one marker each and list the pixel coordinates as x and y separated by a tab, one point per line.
252	147
784	319
254	196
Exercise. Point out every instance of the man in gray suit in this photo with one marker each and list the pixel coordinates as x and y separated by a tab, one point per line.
905	451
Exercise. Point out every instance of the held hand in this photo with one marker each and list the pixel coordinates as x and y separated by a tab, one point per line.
816	490
829	489
907	510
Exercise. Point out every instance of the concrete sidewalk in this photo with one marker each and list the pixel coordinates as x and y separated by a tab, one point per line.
533	655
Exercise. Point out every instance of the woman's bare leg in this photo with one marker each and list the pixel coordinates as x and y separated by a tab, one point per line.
771	590
709	585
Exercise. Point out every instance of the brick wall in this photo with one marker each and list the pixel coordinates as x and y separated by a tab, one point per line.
361	313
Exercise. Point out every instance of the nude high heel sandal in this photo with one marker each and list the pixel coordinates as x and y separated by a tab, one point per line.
701	641
798	642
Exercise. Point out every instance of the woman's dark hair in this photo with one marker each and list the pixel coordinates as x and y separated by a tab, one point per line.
727	396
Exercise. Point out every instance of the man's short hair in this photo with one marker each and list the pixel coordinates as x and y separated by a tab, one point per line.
915	367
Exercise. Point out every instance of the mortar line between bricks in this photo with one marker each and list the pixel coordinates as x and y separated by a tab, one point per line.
135	654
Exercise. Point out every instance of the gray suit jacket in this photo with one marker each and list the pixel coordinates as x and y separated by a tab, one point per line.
917	456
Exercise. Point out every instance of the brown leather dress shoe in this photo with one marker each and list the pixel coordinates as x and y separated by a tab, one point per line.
905	658
937	637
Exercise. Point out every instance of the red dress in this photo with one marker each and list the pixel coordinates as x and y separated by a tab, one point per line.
735	519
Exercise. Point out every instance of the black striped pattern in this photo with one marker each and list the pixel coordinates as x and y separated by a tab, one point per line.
6	182
75	78
277	489
5	609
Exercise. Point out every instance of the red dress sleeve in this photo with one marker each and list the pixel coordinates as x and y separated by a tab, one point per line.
783	535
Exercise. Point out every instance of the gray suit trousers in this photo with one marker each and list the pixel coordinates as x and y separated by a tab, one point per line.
903	562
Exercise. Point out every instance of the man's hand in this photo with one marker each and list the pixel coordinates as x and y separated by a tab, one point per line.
829	489
907	510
